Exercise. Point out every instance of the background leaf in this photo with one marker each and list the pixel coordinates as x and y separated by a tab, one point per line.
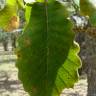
47	57
88	9
9	14
44	0
77	2
21	4
27	13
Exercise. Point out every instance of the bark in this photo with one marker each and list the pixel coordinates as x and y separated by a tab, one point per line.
88	56
91	31
90	62
91	76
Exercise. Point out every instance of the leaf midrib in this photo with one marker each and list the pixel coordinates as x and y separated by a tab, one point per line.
47	48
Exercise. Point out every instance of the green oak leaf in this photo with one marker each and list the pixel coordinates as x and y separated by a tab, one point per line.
47	56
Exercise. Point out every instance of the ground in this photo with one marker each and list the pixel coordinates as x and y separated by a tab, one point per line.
11	86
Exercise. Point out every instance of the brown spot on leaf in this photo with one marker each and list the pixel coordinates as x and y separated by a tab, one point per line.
27	42
34	89
18	53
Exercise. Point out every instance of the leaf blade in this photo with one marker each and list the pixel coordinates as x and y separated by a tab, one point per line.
48	45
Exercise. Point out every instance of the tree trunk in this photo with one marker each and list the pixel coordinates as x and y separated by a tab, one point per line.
88	56
90	62
91	75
